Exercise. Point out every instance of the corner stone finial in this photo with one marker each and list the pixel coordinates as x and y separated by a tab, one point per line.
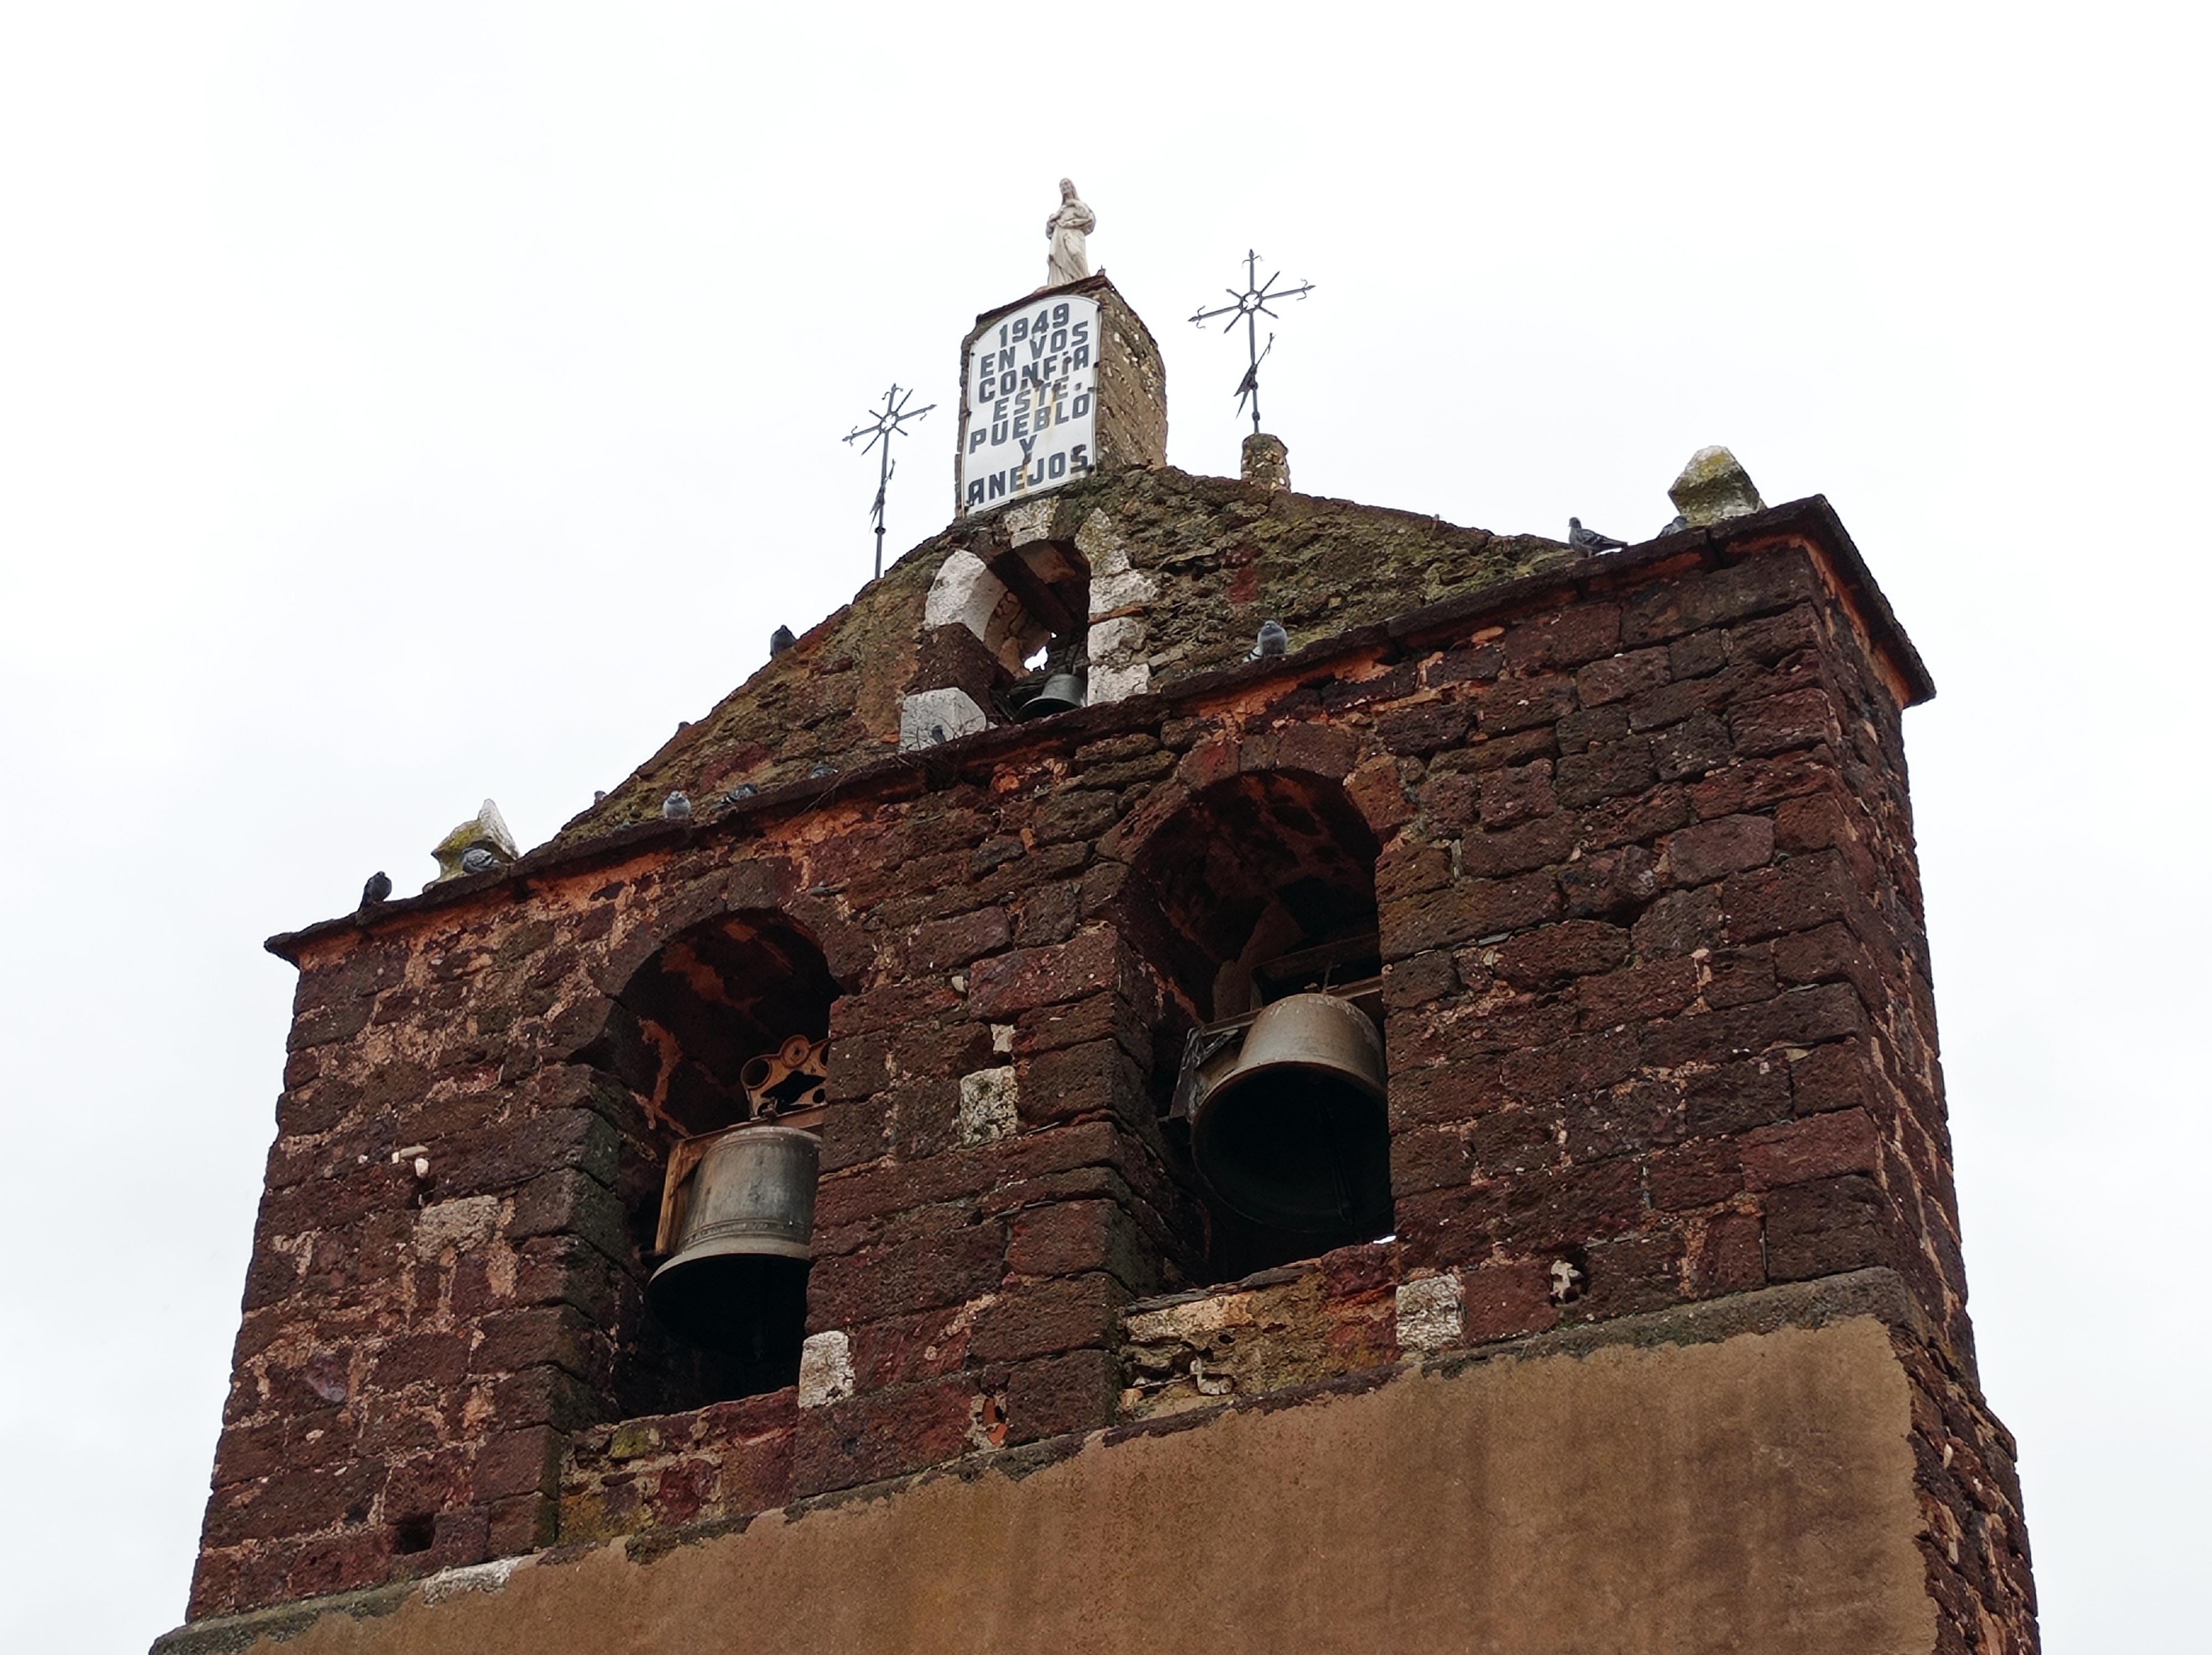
1267	462
1712	487
477	845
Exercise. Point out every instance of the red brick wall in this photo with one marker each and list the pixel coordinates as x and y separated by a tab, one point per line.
1658	1003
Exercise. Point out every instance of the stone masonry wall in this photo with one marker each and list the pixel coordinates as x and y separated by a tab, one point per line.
1659	1032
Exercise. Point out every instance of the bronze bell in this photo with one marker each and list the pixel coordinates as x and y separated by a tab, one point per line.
740	1217
1294	1135
1063	692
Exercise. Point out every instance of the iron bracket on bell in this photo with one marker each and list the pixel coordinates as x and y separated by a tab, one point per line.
793	1076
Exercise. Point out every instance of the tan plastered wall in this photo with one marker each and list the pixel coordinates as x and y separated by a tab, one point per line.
1753	1494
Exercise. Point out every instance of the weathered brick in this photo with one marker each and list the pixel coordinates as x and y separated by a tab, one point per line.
941	1268
1689	748
1827	1227
1056	1395
1736	1097
1771	579
1695	1174
437	1358
1795	895
1638	993
1465	910
1502	1301
1517	794
887	1006
1710	850
1428	1158
1521	703
1804	718
1606	772
1583	1064
1727	1253
1628	1119
1540	843
1013	983
1738	976
1619	676
1566	637
1057	1085
1680	922
1407	984
880	1434
1047	1318
1513	1139
1613	884
1573	1206
1803	1017
1554	954
1819	1147
944	944
1423	729
1072	1238
525	1462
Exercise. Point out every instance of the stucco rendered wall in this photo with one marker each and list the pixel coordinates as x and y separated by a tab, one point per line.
1753	1494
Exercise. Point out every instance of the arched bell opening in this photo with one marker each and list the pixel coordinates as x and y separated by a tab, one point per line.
1255	905
720	1041
1025	612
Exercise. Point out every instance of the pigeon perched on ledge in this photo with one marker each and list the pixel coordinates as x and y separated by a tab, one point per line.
379	889
1273	641
781	640
478	860
676	807
1582	539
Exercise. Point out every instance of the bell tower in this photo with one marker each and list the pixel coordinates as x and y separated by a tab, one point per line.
1203	1068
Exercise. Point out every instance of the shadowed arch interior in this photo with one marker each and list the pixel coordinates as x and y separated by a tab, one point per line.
1263	885
689	1018
1254	867
677	1036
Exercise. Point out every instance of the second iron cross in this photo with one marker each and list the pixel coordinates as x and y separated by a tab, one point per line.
1252	304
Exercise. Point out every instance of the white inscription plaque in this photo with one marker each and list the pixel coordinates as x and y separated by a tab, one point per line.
1032	408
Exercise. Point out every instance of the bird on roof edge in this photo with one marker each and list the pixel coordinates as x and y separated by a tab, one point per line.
377	890
1582	539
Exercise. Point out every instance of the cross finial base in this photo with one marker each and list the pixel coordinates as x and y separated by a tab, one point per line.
1267	462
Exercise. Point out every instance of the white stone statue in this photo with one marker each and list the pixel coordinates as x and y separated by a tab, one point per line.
1068	225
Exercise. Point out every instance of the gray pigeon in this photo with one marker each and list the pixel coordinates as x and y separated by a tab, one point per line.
478	859
379	889
823	769
742	790
781	640
1680	523
1273	641
1582	539
676	807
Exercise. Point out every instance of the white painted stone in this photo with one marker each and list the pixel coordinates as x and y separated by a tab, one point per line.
1191	1321
926	712
460	1225
825	1369
1032	520
1119	683
1431	1313
475	1577
964	592
988	1105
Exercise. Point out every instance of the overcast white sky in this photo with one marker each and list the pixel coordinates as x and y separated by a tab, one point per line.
408	402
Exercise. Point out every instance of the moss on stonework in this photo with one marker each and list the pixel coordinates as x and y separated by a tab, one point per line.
1221	556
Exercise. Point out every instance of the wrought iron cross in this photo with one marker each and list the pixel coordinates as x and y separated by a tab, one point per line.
889	422
1252	304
